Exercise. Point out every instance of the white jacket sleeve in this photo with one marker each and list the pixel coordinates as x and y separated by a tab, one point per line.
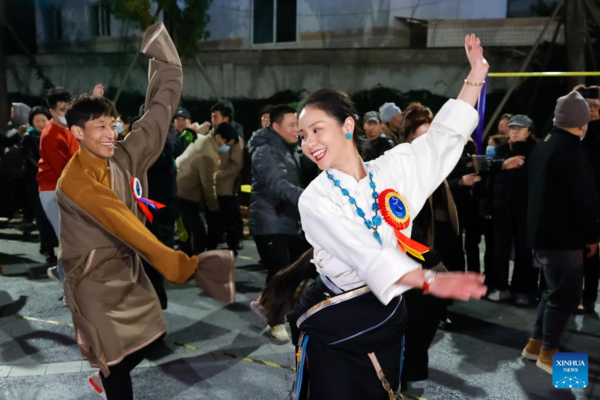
350	242
422	166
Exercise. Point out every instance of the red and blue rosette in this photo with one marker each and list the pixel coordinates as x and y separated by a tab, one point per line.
395	213
143	203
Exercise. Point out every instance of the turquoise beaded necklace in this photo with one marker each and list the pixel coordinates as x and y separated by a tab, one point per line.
370	224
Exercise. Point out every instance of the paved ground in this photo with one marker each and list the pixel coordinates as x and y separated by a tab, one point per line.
210	348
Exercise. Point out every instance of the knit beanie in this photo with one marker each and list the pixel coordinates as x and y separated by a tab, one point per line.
388	111
572	111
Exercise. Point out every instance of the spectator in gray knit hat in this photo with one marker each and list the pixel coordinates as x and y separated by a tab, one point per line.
562	223
391	116
572	111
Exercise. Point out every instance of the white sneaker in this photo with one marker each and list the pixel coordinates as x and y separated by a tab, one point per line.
499	295
96	384
277	334
258	309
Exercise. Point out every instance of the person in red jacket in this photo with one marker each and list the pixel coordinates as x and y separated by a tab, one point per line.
57	146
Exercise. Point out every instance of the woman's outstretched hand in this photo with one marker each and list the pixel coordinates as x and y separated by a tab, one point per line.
475	54
458	285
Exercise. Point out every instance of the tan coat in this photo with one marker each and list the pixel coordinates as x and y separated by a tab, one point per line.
228	174
103	238
196	172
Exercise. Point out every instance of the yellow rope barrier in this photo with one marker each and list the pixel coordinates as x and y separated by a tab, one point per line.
540	74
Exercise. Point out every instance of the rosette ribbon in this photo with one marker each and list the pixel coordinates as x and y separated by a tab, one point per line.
144	203
395	213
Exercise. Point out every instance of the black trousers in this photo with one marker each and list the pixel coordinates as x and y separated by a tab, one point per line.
231	219
424	315
525	277
278	251
202	227
591	275
118	384
446	244
474	230
157	281
563	271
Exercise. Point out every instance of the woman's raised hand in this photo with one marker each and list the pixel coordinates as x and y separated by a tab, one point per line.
479	69
475	54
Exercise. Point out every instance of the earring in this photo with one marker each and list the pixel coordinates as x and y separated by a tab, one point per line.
348	135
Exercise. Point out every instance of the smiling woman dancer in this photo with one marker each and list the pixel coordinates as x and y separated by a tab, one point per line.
349	325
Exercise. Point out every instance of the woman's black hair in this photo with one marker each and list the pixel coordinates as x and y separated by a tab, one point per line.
337	105
38	110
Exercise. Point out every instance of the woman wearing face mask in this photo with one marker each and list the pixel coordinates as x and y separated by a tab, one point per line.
38	119
509	209
349	324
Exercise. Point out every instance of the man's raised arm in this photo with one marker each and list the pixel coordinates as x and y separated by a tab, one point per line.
145	142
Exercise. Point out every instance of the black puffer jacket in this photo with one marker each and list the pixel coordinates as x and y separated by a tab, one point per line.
276	184
509	187
591	143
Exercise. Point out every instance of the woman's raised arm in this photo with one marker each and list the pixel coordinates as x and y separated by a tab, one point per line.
479	69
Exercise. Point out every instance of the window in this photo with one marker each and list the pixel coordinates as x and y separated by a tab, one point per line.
53	24
100	20
286	20
274	21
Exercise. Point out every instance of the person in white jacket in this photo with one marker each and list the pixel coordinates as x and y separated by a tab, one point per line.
349	325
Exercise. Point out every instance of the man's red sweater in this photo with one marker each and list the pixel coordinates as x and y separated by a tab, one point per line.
57	146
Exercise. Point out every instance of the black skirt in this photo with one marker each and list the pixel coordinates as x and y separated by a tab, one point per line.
334	335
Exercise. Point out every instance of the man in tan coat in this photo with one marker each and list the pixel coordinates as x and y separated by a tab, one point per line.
116	313
197	187
228	176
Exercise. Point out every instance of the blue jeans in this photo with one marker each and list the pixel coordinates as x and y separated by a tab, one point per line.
563	271
50	206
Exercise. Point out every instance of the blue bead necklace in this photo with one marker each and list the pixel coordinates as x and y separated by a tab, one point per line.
370	224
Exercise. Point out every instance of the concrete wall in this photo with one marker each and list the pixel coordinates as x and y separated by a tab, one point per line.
260	74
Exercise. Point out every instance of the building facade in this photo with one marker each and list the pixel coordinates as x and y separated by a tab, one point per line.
259	47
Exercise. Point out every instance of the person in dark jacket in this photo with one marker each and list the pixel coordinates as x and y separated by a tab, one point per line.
276	190
378	142
591	265
162	187
11	167
562	221
38	118
509	215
